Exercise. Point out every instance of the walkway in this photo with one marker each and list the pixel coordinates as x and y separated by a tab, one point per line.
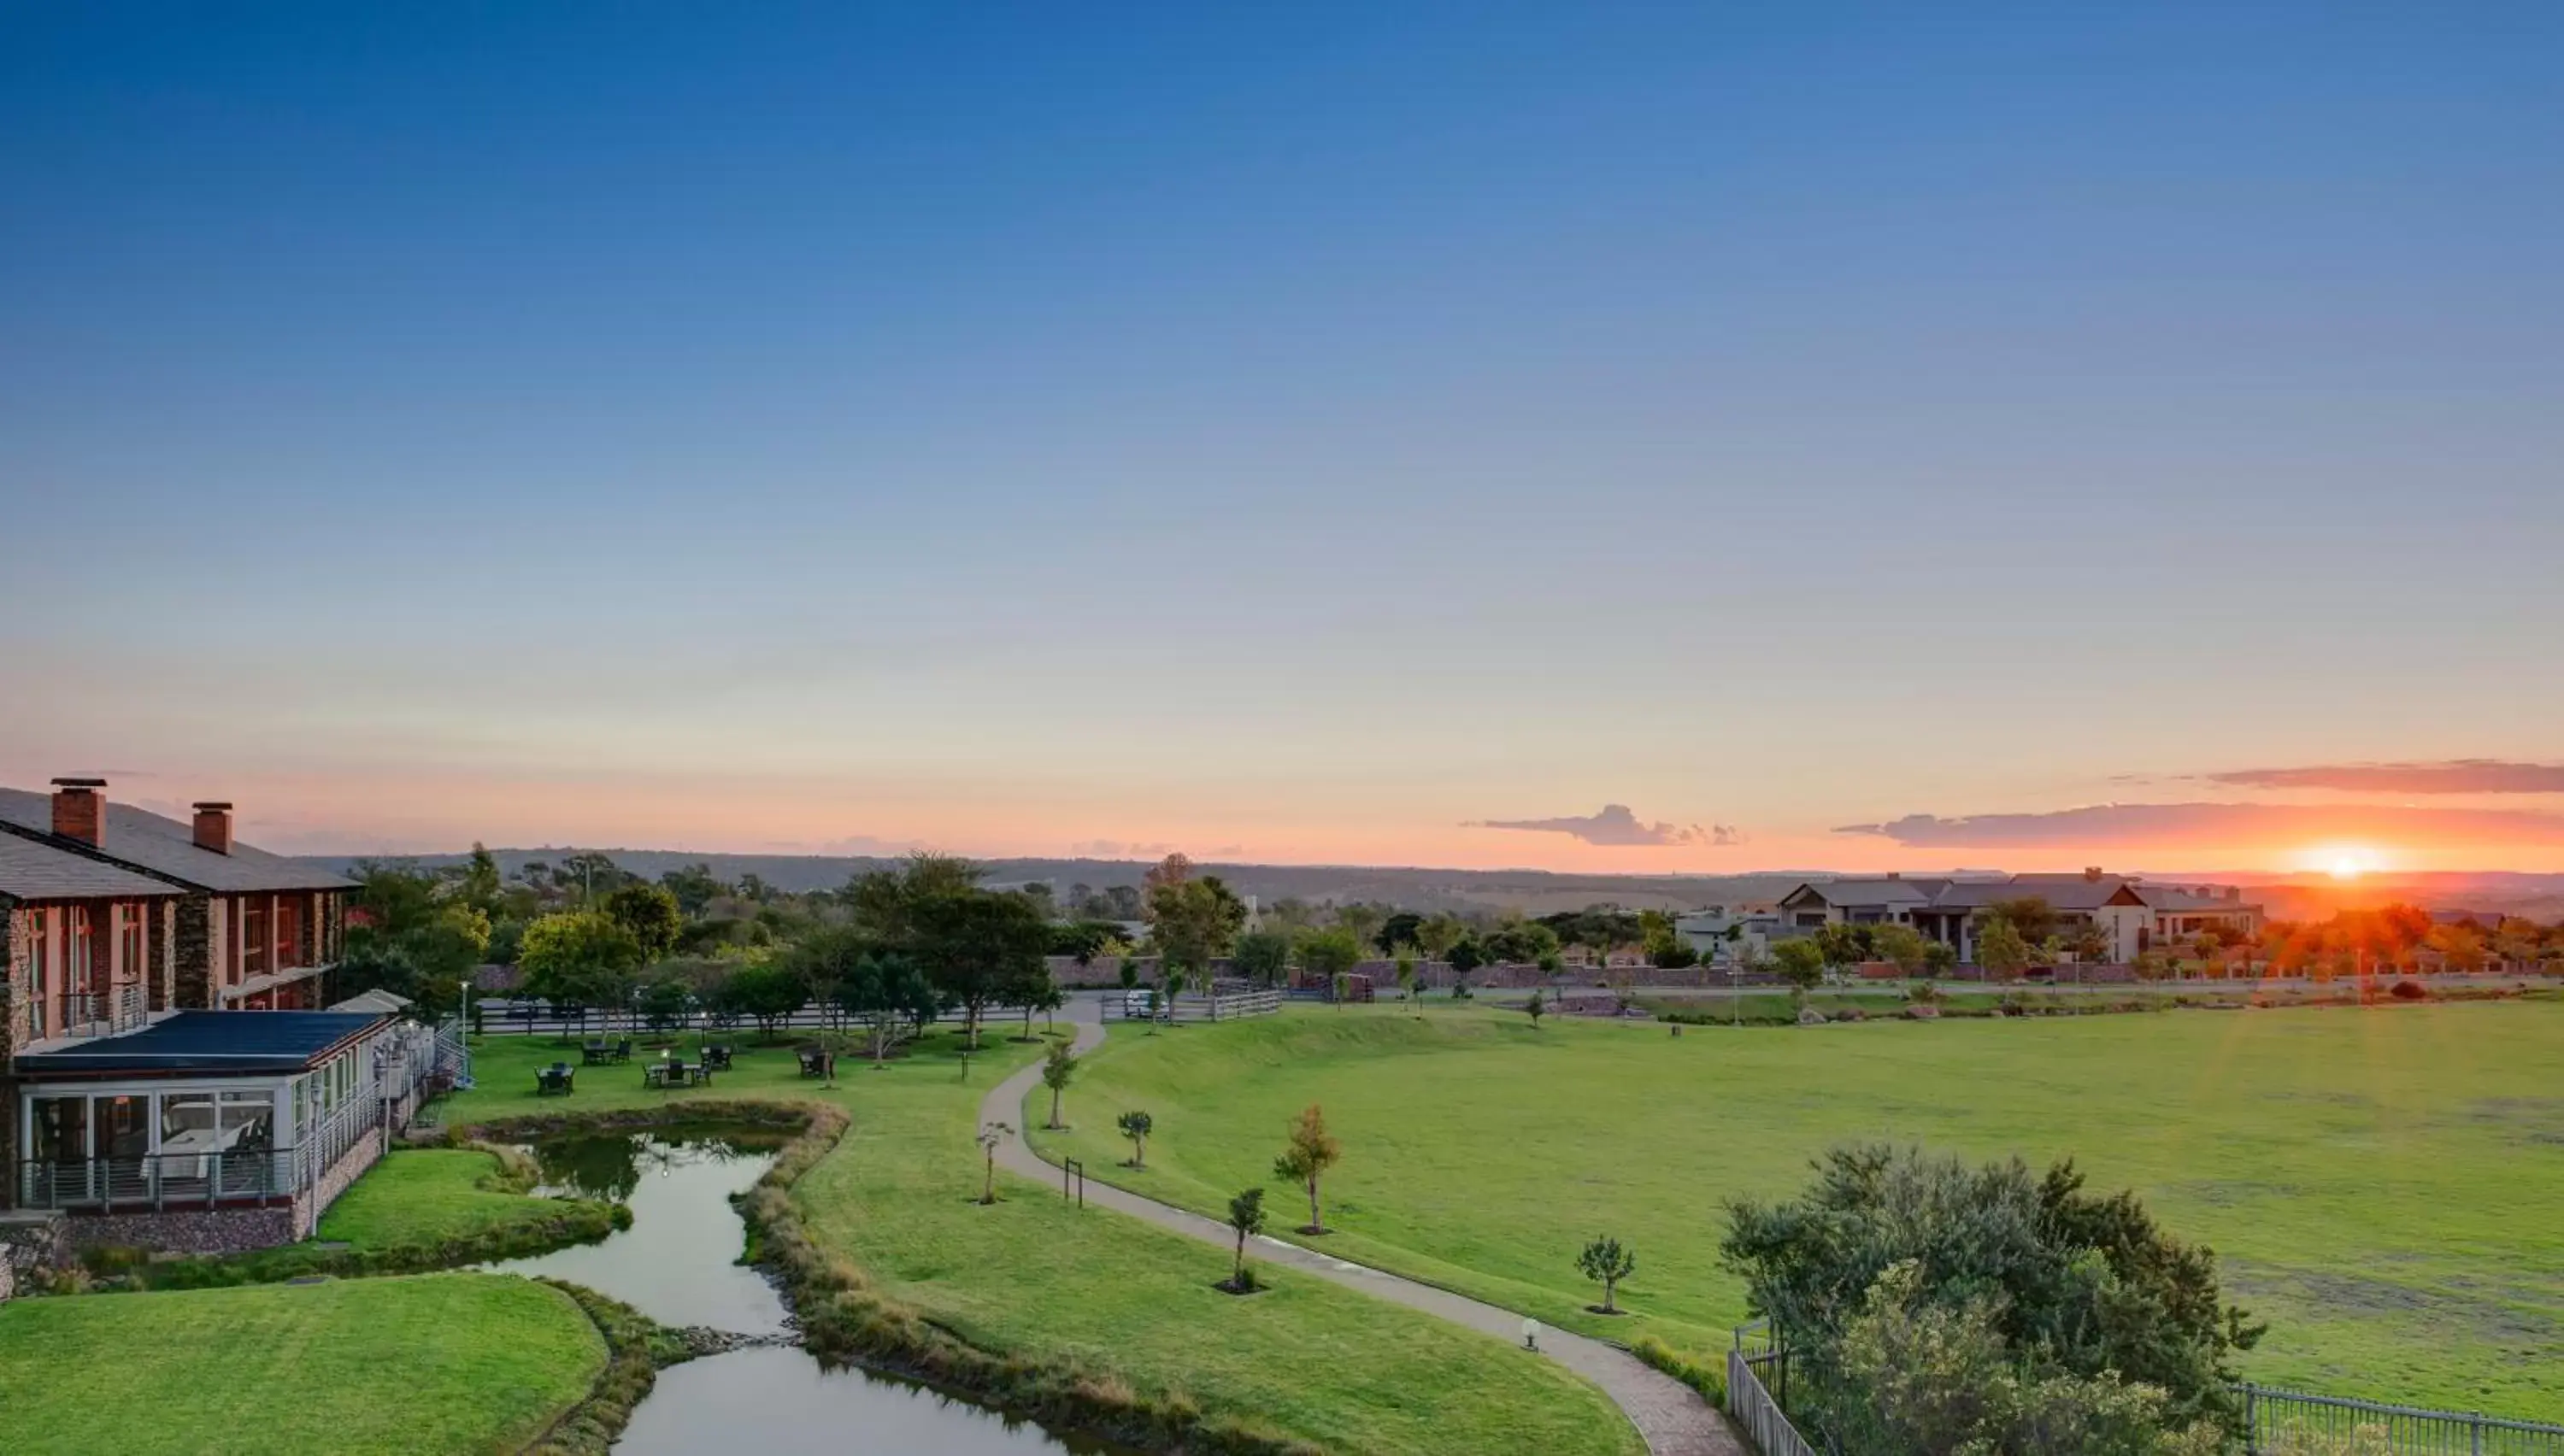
1670	1414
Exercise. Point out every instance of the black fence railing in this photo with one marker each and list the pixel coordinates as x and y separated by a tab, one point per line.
160	1181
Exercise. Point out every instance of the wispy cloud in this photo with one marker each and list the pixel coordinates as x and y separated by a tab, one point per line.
2443	776
1618	825
2197	826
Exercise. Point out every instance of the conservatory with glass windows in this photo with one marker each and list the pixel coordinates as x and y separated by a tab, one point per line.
249	1121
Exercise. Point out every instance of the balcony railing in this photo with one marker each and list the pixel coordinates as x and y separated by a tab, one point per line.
110	1012
160	1180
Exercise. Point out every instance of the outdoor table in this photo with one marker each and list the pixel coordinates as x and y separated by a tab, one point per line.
594	1055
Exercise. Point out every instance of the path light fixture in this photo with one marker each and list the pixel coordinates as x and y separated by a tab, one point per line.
1531	1334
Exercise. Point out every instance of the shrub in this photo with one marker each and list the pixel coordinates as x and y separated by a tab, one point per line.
2410	990
2091	1284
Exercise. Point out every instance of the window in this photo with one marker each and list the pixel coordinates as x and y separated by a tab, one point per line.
247	1121
289	952
61	1129
254	936
76	950
128	936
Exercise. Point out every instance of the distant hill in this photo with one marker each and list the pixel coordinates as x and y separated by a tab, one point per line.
2488	894
1534	892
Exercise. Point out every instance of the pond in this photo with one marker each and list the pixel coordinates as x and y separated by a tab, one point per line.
679	1264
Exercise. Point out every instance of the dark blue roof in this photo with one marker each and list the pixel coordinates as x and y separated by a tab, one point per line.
210	1042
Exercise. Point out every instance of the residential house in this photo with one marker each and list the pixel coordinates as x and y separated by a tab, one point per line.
249	930
1720	933
138	1083
2132	914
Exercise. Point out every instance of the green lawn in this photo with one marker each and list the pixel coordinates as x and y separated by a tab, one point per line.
2382	1184
437	1364
1036	1277
427	1195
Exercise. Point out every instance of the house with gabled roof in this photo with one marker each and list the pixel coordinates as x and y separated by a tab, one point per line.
2132	914
252	931
147	1070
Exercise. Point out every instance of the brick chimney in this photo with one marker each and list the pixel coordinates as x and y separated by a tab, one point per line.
214	826
2092	874
79	810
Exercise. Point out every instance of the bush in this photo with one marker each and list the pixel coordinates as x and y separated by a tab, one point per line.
2091	1285
2410	990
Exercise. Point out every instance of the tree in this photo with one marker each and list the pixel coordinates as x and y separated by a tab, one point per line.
1136	1125
885	903
663	1005
992	1136
2090	1283
2461	948
1465	956
977	948
1264	956
1059	1066
1440	934
1361	920
1520	943
1535	1008
1921	1377
695	887
1306	1158
1940	958
766	990
479	886
1083	941
2002	949
883	990
2029	915
1035	989
1842	945
1407	979
1195	922
577	959
1399	929
1606	1263
1903	944
1175	869
1327	953
1246	1216
1800	962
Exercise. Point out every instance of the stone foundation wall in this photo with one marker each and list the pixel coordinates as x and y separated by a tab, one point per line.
203	1231
352	1165
30	1243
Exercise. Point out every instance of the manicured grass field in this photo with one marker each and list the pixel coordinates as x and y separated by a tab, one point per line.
437	1364
425	1195
1033	1276
2383	1184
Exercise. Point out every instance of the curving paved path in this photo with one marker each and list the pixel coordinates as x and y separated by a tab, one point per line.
1670	1414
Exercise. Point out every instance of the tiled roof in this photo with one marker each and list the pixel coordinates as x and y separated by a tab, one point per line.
33	870
164	846
218	1042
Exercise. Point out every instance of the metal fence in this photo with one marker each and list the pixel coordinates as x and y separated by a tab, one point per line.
500	1017
1225	1006
160	1180
2293	1423
2276	1423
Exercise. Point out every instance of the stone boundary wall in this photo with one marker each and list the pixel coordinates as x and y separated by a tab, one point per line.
28	1243
197	1231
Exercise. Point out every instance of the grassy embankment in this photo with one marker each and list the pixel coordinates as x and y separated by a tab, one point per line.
435	1364
1036	1280
2380	1182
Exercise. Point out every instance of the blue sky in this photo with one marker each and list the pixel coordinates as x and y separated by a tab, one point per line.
1304	432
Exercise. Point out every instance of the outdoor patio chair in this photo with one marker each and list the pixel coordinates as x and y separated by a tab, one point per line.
623	1050
716	1059
814	1063
655	1076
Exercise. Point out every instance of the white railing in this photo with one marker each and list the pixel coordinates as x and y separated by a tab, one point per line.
1755	1409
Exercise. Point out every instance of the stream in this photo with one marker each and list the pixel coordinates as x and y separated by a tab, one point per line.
677	1264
